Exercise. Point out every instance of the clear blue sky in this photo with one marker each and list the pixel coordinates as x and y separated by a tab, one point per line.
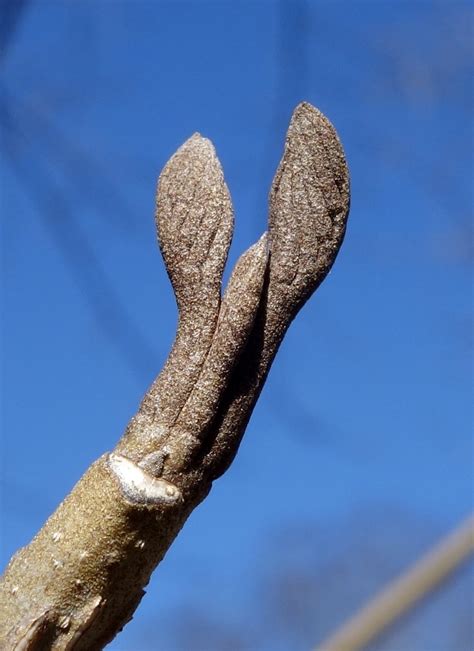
367	411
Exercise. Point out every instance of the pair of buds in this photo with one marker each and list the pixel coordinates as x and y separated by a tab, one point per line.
193	417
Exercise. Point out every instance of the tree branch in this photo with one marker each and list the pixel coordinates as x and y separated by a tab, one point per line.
81	578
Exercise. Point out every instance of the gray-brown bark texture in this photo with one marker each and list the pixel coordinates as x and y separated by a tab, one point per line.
81	578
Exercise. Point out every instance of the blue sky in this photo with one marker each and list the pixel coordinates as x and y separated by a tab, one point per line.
367	411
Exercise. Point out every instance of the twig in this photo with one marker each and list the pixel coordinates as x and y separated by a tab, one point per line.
82	577
400	595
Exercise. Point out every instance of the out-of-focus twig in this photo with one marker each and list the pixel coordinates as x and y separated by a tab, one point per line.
59	218
400	595
11	12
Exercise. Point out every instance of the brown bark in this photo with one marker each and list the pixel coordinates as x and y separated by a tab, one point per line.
81	578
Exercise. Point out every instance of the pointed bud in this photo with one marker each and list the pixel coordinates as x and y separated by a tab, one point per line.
309	203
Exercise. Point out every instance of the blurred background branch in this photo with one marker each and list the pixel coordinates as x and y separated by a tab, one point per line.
403	593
